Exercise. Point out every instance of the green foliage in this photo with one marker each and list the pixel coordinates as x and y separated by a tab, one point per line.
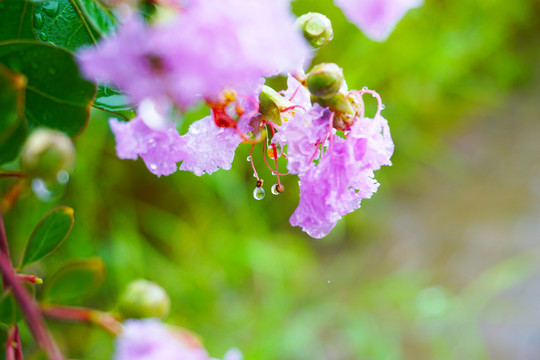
48	235
56	95
74	281
12	121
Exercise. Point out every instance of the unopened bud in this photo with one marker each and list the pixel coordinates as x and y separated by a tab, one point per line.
47	152
317	28
271	104
325	80
144	299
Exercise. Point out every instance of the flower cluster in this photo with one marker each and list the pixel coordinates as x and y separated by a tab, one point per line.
219	52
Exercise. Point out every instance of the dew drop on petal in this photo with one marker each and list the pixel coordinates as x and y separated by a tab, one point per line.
258	193
365	88
153	166
382	106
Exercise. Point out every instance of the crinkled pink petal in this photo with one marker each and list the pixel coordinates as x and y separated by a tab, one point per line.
149	339
209	147
343	177
160	149
300	135
376	18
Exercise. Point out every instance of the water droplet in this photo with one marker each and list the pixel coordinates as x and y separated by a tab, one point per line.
48	191
329	281
258	193
51	8
274	154
382	106
277	189
255	175
62	177
248	158
153	166
43	36
365	88
38	21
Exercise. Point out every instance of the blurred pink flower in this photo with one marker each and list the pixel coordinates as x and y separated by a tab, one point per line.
376	18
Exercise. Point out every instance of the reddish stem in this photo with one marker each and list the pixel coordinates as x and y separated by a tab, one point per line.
14	174
104	320
26	303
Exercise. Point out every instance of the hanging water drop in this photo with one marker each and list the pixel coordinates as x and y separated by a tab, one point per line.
382	106
43	36
51	8
38	21
365	88
248	158
258	193
277	189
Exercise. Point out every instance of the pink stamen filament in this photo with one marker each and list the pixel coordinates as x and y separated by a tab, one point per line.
253	165
293	107
295	92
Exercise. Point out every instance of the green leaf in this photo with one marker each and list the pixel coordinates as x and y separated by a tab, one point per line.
74	281
12	122
56	95
48	235
72	23
16	20
112	100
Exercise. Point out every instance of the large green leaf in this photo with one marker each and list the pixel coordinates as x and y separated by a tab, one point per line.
56	95
16	20
12	121
72	23
48	235
74	281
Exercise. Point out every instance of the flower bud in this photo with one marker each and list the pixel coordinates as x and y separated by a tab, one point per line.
47	152
317	28
144	299
325	80
271	104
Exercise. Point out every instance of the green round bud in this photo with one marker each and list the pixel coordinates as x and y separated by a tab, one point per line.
317	28
325	80
47	152
144	299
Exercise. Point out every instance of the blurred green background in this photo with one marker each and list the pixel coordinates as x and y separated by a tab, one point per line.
442	263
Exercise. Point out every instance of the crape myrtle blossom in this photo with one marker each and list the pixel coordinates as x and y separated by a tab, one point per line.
205	148
376	18
209	46
332	183
150	339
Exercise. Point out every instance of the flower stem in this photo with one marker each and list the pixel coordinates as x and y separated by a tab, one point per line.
26	303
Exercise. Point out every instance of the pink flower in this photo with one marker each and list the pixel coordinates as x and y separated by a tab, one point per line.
160	149
208	47
149	339
343	177
301	135
209	147
376	18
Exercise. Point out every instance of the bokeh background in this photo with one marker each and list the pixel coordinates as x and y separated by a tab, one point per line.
442	263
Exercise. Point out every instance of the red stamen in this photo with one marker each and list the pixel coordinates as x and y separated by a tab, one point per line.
253	165
292	107
295	92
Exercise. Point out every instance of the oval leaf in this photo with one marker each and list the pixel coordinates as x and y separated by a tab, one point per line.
48	235
56	95
74	281
12	121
